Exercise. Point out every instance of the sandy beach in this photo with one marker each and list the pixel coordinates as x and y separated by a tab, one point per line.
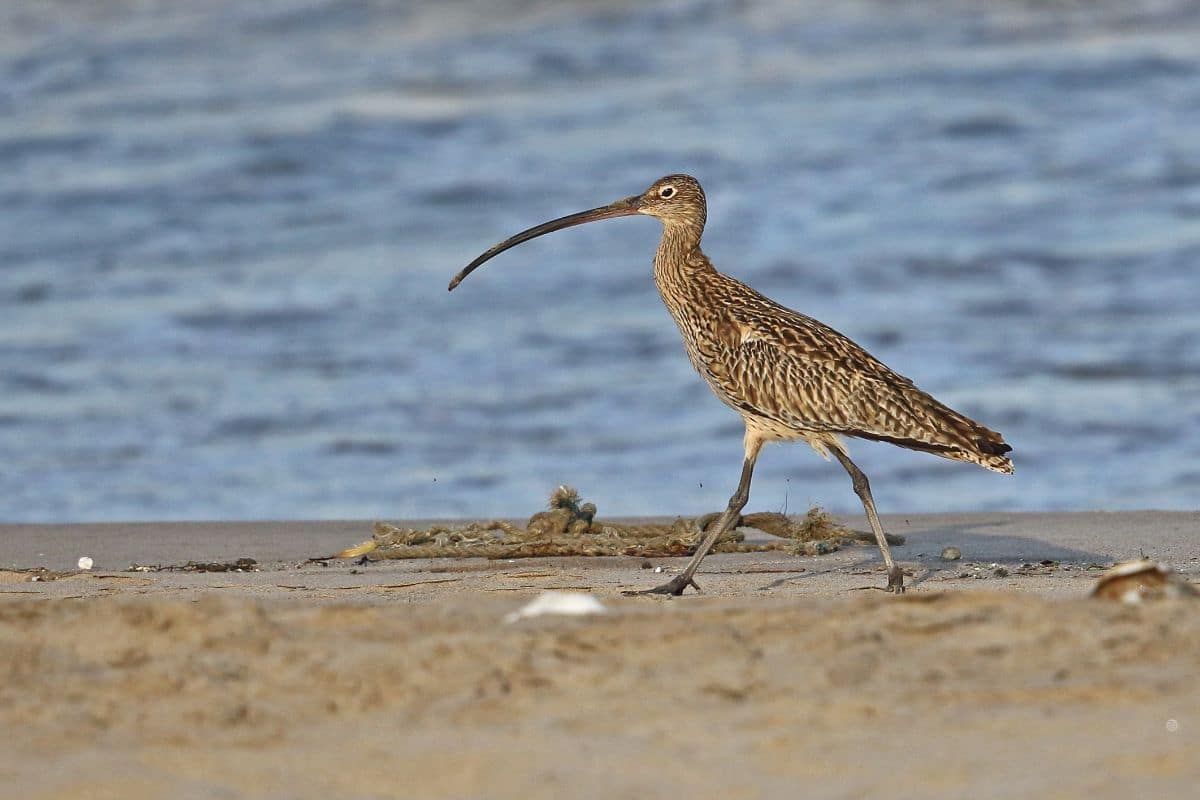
994	676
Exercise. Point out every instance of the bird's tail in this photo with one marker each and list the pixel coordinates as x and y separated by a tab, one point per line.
995	461
992	457
943	431
980	445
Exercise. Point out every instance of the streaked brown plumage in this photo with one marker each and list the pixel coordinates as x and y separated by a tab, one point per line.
788	375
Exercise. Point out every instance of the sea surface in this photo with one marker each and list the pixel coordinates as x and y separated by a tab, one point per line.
226	230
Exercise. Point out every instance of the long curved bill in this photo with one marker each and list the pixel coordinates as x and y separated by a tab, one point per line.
621	208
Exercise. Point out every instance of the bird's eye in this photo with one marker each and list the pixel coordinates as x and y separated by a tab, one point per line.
666	192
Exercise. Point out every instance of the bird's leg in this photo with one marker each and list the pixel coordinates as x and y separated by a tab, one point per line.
733	511
737	502
862	488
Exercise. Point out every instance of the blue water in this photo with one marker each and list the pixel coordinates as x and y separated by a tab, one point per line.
226	231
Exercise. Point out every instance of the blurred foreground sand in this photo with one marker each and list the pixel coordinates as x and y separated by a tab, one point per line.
988	679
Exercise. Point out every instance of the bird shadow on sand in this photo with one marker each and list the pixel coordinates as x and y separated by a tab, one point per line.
921	553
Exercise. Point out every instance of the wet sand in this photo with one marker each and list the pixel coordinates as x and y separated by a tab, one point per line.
995	676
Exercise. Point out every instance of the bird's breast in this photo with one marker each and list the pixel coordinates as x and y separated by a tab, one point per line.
712	346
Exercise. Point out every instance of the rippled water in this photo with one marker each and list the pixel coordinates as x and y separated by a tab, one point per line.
226	232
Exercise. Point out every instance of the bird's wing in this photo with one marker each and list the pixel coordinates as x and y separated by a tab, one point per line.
804	374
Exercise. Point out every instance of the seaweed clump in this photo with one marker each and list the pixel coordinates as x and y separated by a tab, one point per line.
569	527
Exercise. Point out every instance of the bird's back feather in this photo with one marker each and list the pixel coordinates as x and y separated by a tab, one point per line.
776	365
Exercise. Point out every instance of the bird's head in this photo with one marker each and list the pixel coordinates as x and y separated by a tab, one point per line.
676	200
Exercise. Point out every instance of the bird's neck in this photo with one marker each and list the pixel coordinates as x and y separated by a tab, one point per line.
679	260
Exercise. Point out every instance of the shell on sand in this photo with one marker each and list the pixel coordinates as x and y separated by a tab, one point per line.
571	604
1140	581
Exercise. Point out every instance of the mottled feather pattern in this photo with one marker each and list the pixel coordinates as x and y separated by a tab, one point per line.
793	377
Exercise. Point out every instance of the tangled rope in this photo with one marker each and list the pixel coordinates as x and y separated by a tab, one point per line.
570	528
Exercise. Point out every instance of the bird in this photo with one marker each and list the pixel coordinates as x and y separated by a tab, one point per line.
789	376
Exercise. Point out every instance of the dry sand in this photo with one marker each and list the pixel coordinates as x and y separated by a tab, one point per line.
787	678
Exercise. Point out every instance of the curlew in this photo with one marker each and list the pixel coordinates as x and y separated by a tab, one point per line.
789	376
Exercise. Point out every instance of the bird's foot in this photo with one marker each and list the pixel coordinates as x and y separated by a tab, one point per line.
673	587
896	580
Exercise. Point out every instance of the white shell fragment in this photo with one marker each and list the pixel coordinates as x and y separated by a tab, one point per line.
572	604
85	562
1140	581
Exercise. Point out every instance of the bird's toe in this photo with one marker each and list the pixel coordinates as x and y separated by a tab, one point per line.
673	587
